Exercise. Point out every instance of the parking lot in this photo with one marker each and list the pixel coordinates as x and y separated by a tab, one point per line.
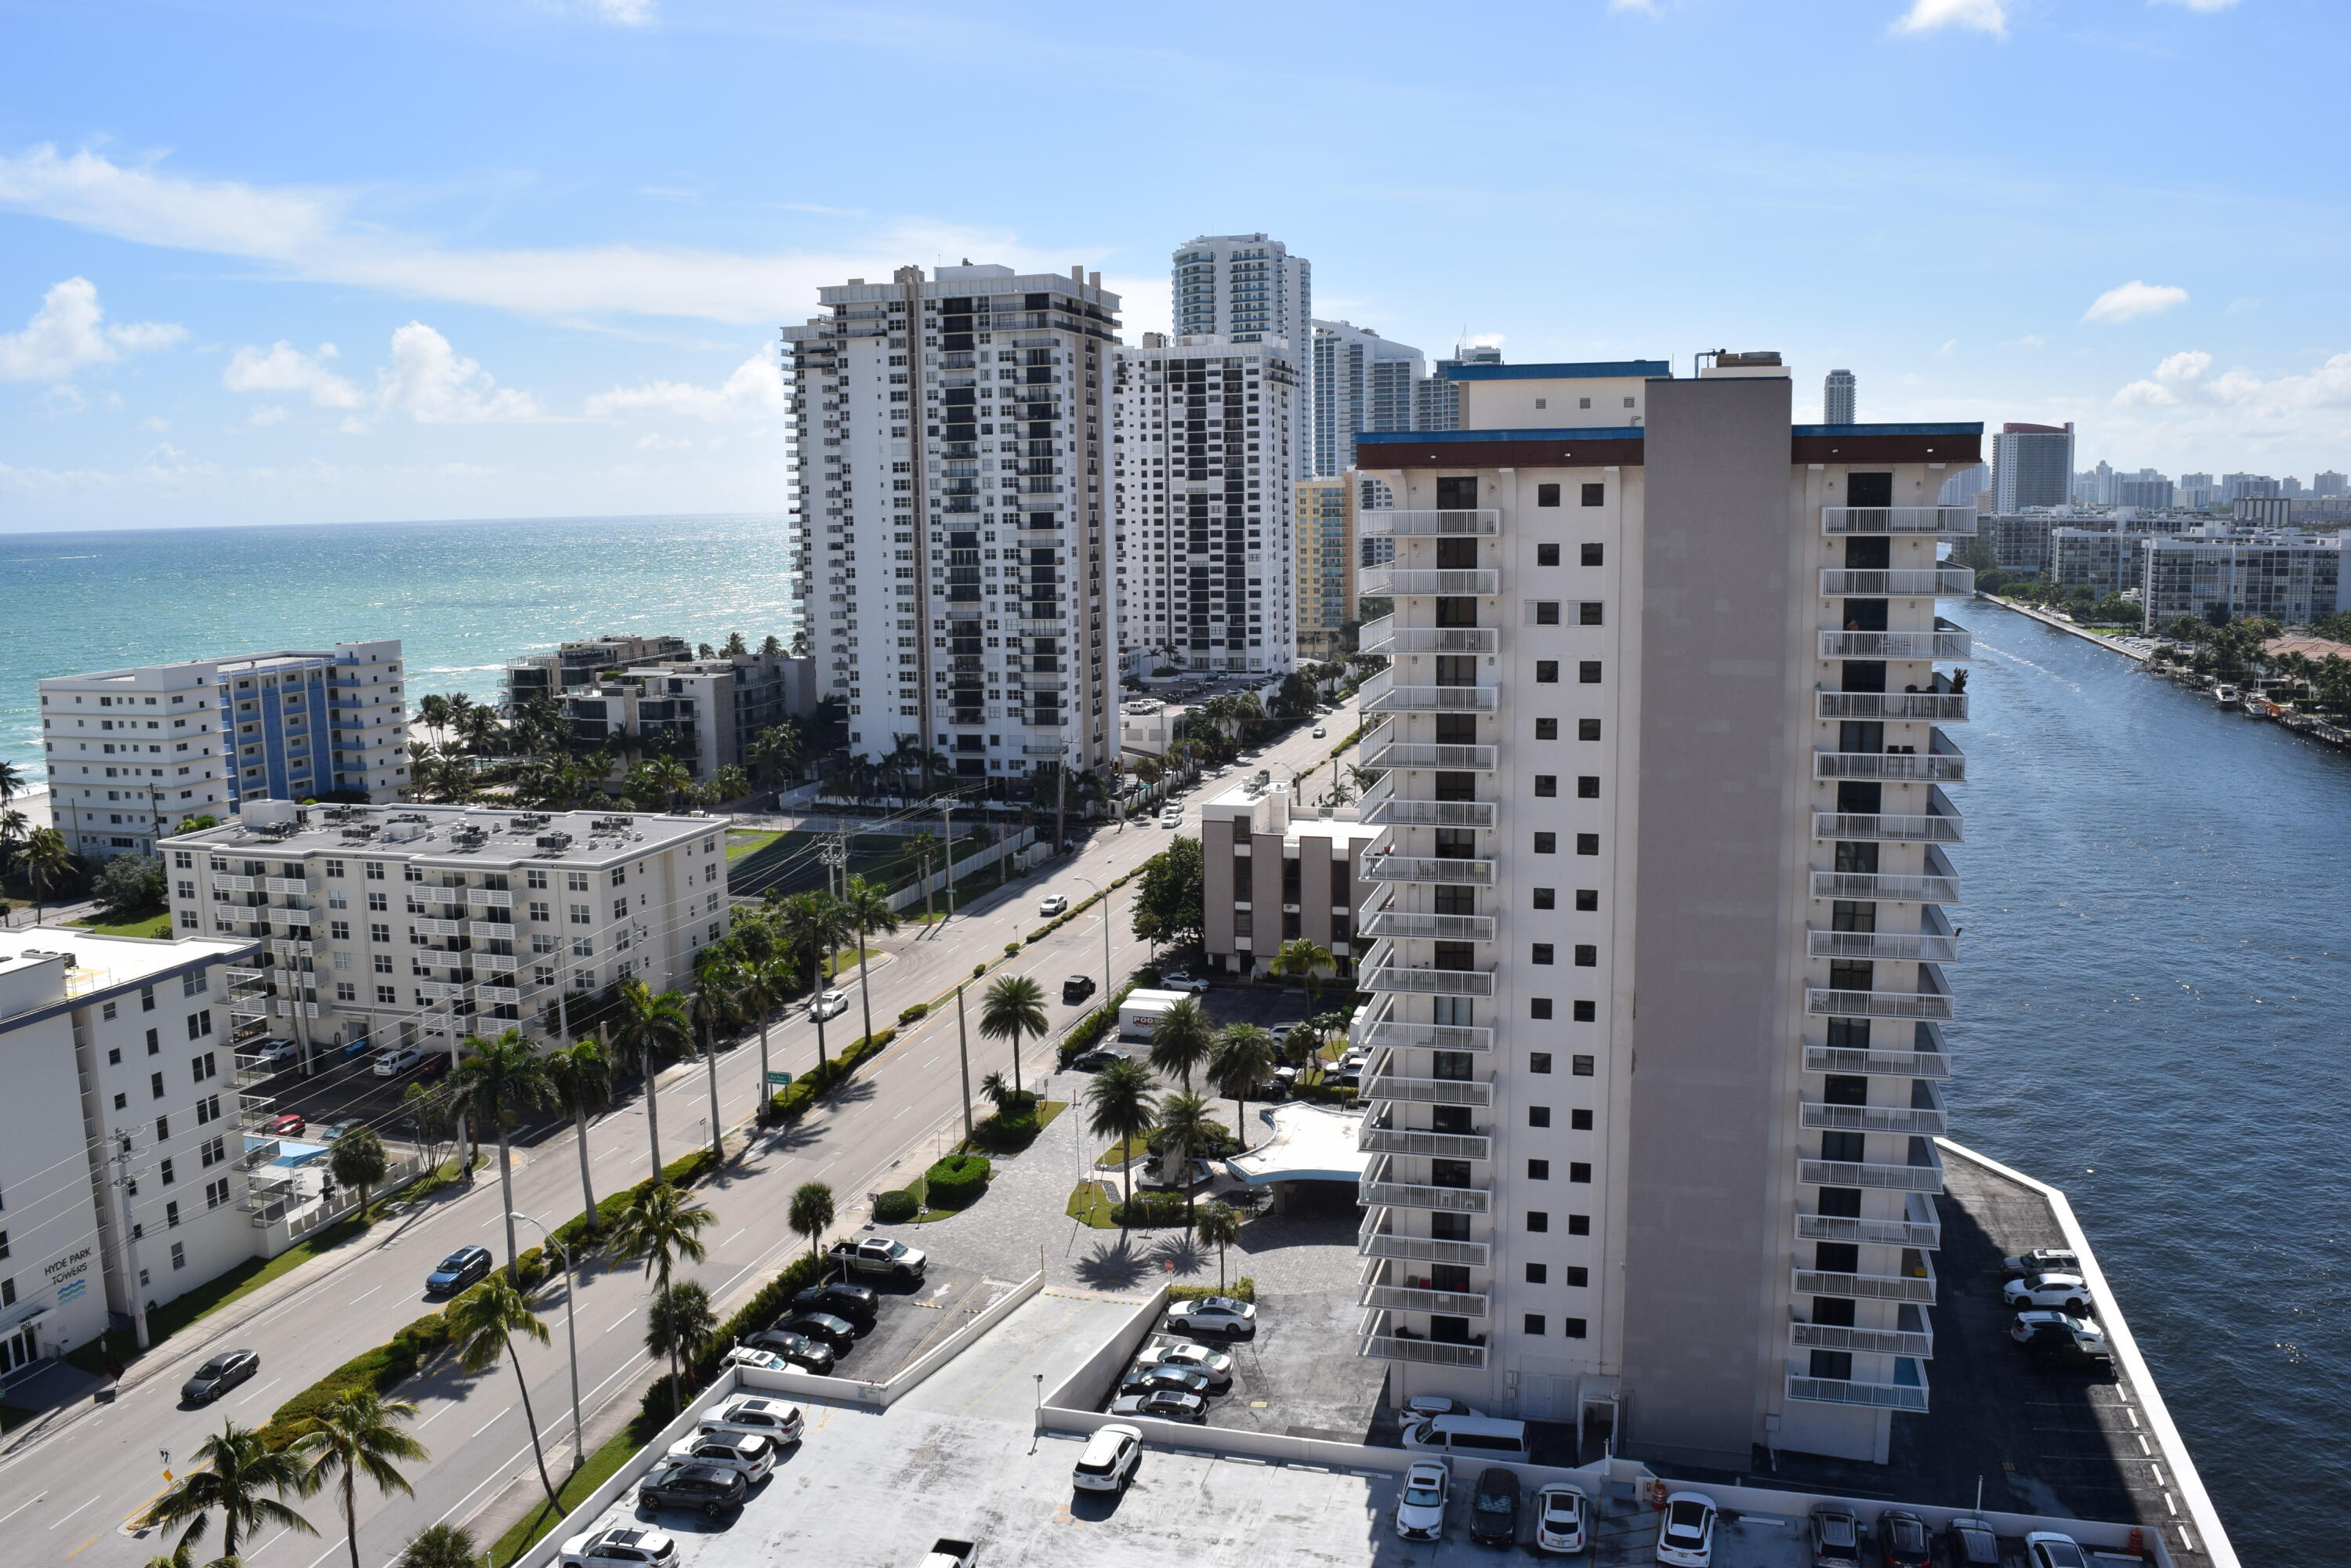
914	1318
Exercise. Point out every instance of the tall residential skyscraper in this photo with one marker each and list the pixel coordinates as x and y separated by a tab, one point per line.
2328	482
1200	427
1437	402
1836	398
1324	528
2197	490
134	753
1662	721
954	529
1247	288
1362	381
2033	466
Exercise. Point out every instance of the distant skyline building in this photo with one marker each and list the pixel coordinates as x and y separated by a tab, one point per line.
2033	466
2234	486
1322	527
1836	398
1249	288
1437	400
2328	482
1362	381
1960	489
2153	493
2196	490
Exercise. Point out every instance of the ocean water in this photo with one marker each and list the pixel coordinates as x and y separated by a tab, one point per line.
463	596
2155	1005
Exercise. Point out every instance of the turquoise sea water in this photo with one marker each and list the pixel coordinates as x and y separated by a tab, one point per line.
463	596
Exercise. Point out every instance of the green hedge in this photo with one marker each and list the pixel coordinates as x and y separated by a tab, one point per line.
767	1305
1006	1132
1241	1290
1102	1021
895	1207
792	1101
919	1010
956	1181
1148	1209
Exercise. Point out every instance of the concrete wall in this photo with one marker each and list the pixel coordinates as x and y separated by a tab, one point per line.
1720	782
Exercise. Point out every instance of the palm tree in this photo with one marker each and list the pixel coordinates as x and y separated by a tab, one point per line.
765	983
1240	1056
649	1028
867	906
432	713
14	826
996	1091
669	775
440	1546
581	1079
812	923
926	850
716	1009
1119	1106
237	1469
1304	957
1217	1225
47	863
661	1225
680	1322
501	1079
359	1434
811	1212
1179	1039
1012	1007
359	1160
482	1325
1184	1125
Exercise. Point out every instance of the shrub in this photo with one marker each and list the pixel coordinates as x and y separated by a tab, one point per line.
1010	949
1241	1290
920	1010
895	1207
1006	1132
956	1181
978	969
1149	1208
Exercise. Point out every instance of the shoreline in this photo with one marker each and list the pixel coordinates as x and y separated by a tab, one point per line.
2061	624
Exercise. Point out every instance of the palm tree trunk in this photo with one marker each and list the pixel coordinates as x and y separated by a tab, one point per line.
587	1188
1241	1119
1220	1268
506	1197
653	1113
718	1128
676	1398
864	990
351	1510
1016	1062
530	1418
761	1109
1126	1178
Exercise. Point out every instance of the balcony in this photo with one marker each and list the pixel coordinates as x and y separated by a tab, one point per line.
1875	886
1384	751
1889	946
1941	522
1937	767
1896	1395
222	881
1381	696
252	1070
1378	1193
1427	1091
1864	1342
1917	1228
1900	582
1402	923
1400	582
1904	707
1443	871
1877	1063
1880	1177
497	994
1382	1033
1410	980
1935	1006
1372	1140
1388	811
441	991
286	1007
498	963
1398	524
1385	636
1411	1299
1949	640
1911	1121
293	886
1887	828
1866	1287
1420	1249
246	977
424	926
490	930
244	1007
1377	1346
490	897
291	948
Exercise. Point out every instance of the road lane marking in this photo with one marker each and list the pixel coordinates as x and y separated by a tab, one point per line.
21	1507
732	1238
491	1422
260	1391
436	1415
63	1517
363	1295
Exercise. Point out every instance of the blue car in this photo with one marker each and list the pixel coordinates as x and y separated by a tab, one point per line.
458	1270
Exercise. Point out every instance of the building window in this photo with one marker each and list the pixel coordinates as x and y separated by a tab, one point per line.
155	1083
1587	672
1547	555
1546	784
1588	613
1542	951
1580	1065
1537	1220
1587	900
1577	1170
1539	1170
1548	496
1587	843
1580	1121
1587	955
1596	494
1579	1224
1534	1324
179	1249
1546	843
1546	729
1579	1276
1547	672
1538	1062
1546	611
1571	1328
1587	1012
1587	730
1538	1273
1538	1115
1546	898
170	1222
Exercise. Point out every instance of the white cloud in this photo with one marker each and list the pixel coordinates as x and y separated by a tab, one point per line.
2182	380
156	422
353	425
2032	341
268	414
651	442
63	398
1647	7
2238	307
2206	5
1487	340
1981	15
1951	345
310	234
2130	301
68	332
628	13
434	384
756	390
2177	374
286	369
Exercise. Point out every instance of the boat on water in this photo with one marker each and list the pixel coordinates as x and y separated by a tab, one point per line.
2228	698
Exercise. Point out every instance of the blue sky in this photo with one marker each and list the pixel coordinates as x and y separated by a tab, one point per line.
288	262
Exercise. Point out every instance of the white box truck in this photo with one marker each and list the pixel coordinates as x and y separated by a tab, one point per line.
1141	1011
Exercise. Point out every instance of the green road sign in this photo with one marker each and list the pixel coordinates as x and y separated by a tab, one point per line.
780	1079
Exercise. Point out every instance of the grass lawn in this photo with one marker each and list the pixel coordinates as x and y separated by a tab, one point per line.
748	841
156	926
602	1464
1120	1152
1090	1204
845	962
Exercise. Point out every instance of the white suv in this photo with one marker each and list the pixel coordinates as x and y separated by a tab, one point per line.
626	1546
2064	1292
778	1420
1110	1460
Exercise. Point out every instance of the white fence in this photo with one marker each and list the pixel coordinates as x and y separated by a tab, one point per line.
913	892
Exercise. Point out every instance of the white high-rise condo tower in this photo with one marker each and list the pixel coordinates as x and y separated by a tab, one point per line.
954	527
1836	398
1247	288
1362	381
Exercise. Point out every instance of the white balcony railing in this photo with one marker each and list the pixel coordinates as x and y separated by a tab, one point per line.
1439	870
1875	1063
1404	923
1876	1396
1427	1091
1378	698
1916	1121
288	885
1878	885
1421	1351
1399	524
1369	1243
1917	1289
1932	1005
1421	1196
1385	636
1865	1341
1372	1140
1946	641
1893	767
425	926
1383	751
1861	1173
1902	708
1388	811
1409	1298
1889	946
1406	980
1888	828
1401	582
1943	522
1899	582
1925	1235
222	881
1394	1034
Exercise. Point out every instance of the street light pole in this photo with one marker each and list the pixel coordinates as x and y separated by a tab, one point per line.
570	1336
963	1054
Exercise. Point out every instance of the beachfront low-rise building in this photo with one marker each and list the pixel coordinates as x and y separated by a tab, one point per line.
1272	870
576	664
706	713
133	753
2288	577
2101	560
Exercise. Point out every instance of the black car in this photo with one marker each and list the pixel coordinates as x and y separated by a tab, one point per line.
858	1303
458	1270
218	1376
1970	1544
1494	1508
1077	989
1094	1061
825	1329
686	1484
1903	1540
798	1349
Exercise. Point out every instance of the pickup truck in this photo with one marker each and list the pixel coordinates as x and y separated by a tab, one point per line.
949	1553
878	1254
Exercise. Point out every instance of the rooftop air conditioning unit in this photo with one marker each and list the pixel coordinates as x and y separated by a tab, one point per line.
554	842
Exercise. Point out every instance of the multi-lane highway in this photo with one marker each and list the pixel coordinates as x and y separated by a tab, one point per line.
67	1497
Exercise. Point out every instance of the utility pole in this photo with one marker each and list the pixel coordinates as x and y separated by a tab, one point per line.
963	1054
122	1183
947	838
1061	791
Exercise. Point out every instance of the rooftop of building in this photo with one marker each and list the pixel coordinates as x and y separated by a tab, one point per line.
233	665
86	966
457	834
1576	371
1273	808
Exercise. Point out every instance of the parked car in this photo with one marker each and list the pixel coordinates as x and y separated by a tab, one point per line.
1836	1534
715	1493
778	1420
1420	1506
278	1053
2048	1549
1167	1404
1214	1315
2043	1260
1494	1508
1077	989
802	1352
836	1333
1110	1460
2062	1290
1903	1540
1177	980
829	1005
1097	1058
859	1303
1425	1405
293	1124
748	1454
2063	1343
436	1065
1320	730
624	1546
891	1259
397	1059
1152	1379
765	1360
1969	1542
1172	817
1685	1536
1052	903
1214	1364
1562	1518
458	1270
2028	1328
218	1376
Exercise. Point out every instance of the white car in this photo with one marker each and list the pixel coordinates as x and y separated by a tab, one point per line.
1215	1364
1320	732
1110	1460
400	1059
1420	1506
1172	817
2043	1260
829	1005
2047	1549
2064	1292
765	1360
1422	1405
275	1051
1052	903
624	1546
748	1454
1686	1537
1214	1315
1562	1518
778	1420
1211	1381
1177	980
